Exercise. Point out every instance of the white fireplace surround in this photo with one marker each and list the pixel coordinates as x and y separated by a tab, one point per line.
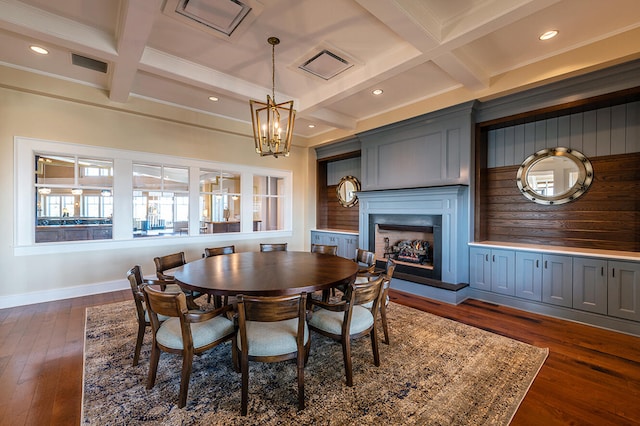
451	202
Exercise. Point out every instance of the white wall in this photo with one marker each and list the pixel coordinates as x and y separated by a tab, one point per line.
50	116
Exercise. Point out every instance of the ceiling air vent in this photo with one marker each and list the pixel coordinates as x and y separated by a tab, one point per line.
325	65
92	64
220	15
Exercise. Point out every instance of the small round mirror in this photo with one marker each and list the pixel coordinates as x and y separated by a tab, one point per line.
346	191
554	176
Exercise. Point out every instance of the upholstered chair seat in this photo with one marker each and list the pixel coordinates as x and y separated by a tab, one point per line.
331	322
273	338
203	333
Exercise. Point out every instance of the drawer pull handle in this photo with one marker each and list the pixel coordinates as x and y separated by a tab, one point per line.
545	264
537	263
613	272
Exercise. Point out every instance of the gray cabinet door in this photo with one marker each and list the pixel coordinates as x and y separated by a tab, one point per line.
350	246
624	290
590	285
529	275
480	268
503	272
557	280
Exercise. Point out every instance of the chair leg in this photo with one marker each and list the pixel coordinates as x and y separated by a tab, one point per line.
187	362
385	326
235	354
374	345
346	354
244	366
136	355
301	363
153	366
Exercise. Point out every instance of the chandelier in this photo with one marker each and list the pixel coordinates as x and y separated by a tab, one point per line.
272	122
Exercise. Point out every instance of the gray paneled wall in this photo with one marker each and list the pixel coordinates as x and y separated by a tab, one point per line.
337	169
605	131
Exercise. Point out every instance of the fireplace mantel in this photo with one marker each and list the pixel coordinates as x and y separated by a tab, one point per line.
448	201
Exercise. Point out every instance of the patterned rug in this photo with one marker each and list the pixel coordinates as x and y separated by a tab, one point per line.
435	372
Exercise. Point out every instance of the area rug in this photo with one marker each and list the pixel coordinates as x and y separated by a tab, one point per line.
434	372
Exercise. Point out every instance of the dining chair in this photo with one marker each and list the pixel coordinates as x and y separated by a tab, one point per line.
217	251
273	247
366	260
185	332
384	300
348	319
171	261
134	275
271	329
324	249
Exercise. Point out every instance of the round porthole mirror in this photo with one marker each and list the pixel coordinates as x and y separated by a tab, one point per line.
554	176
346	191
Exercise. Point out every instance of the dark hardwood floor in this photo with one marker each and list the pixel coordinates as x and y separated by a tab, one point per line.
592	376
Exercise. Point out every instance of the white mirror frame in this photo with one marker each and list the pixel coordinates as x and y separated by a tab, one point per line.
585	176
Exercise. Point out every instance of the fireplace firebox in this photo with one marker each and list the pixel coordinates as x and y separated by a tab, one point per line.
412	241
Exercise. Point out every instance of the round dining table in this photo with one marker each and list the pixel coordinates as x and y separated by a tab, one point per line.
275	273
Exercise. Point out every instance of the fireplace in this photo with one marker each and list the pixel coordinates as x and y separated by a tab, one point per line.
439	215
412	241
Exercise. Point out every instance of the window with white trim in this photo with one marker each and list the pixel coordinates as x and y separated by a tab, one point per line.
112	191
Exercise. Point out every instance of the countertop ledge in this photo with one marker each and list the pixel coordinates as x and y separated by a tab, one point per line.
573	251
337	231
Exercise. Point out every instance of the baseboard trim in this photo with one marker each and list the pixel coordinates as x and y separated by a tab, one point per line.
569	314
34	297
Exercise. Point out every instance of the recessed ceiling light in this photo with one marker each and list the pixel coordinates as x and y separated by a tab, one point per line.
377	92
311	126
548	35
213	99
40	50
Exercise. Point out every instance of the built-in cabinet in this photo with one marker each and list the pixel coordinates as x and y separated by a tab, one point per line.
594	284
347	242
493	270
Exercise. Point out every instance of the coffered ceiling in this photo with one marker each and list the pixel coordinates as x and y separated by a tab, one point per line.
421	53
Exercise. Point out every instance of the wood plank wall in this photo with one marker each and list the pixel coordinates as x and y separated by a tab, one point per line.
329	212
606	217
337	216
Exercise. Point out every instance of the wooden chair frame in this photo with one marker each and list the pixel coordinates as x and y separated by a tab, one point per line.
264	247
357	294
218	251
134	275
324	249
170	261
175	305
367	258
270	309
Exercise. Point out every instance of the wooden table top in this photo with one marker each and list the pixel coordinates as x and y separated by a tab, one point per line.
265	274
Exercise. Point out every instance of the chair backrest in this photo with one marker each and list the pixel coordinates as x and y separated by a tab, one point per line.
269	309
366	258
364	292
273	247
135	280
217	251
324	249
170	261
164	303
391	267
